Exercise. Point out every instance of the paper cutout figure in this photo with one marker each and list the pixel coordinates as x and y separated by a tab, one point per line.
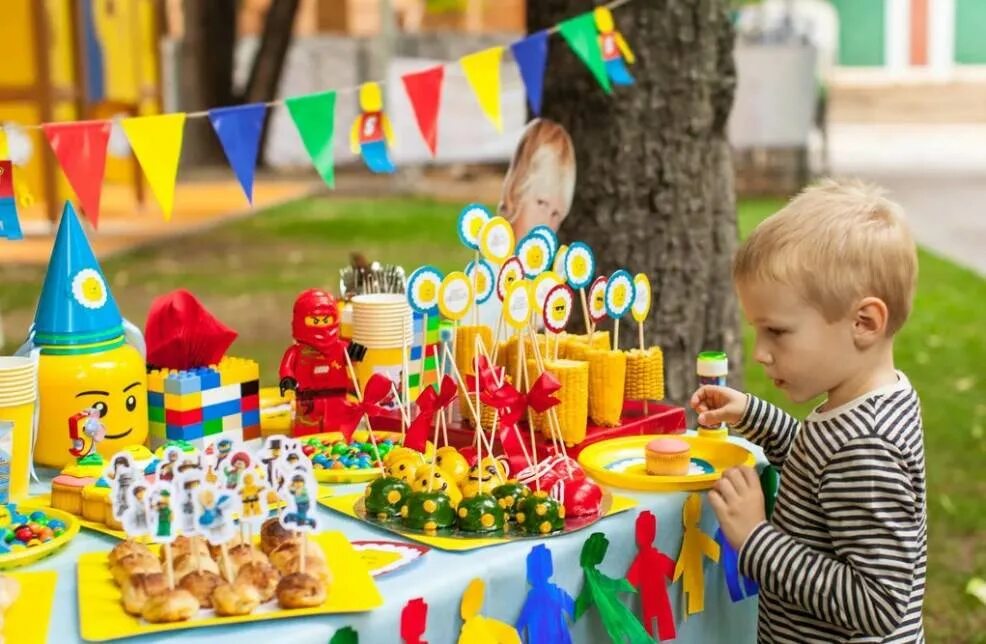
215	509
186	486
121	475
93	429
270	457
162	515
649	573
770	483
603	592
167	468
10	226
372	133
234	469
345	635
614	48
253	493
694	544
477	629
542	618
729	561
414	618
299	492
137	518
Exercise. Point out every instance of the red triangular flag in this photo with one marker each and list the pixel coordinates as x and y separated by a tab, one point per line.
80	147
425	91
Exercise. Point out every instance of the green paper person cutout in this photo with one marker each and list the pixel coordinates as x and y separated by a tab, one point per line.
604	592
346	635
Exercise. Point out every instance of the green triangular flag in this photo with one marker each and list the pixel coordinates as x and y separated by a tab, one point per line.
581	35
346	635
314	116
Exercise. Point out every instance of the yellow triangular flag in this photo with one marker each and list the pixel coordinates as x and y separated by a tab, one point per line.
156	140
482	70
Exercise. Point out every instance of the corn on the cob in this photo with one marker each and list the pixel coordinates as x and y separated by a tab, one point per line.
574	396
607	374
465	357
645	374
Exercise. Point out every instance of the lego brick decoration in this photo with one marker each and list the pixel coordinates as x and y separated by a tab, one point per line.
201	404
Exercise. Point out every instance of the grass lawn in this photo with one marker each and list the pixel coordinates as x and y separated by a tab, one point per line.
249	272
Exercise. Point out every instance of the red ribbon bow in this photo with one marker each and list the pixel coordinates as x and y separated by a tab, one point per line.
430	401
348	413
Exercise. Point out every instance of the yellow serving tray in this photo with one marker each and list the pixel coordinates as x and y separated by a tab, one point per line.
18	558
620	462
102	618
346	505
26	621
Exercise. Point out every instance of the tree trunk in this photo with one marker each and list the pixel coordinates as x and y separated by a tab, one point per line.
655	185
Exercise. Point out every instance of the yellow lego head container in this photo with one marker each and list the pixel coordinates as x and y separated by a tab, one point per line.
85	361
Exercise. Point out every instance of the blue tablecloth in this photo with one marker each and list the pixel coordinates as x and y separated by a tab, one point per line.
441	577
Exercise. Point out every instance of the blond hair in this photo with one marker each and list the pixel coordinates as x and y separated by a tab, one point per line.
543	143
836	242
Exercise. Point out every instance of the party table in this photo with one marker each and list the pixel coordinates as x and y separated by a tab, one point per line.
441	577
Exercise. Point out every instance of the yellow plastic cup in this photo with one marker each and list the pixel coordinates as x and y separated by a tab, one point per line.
18	443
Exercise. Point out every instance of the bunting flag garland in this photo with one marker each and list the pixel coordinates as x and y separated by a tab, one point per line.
239	129
156	142
424	90
482	70
531	55
314	116
80	148
10	227
581	35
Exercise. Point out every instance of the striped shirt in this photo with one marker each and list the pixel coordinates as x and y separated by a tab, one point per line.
844	556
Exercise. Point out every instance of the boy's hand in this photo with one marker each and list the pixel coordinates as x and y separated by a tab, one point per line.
716	405
738	503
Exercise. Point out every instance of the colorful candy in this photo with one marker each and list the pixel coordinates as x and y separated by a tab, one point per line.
338	455
27	531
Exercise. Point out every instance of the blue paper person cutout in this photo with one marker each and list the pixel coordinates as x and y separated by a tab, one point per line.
542	618
730	565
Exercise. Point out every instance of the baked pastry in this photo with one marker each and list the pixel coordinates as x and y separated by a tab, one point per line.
140	587
170	606
273	534
281	556
201	583
235	599
300	590
262	576
240	556
667	457
128	547
10	590
134	563
216	551
188	563
183	545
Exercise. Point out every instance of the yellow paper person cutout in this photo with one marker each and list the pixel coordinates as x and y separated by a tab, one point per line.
694	544
477	629
482	70
156	142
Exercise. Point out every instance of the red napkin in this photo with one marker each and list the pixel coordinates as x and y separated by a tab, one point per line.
182	334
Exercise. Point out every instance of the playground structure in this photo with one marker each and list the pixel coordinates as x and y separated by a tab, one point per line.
77	60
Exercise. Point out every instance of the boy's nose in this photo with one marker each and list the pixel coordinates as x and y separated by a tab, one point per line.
762	356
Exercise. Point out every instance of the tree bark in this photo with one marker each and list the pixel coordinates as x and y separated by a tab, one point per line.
655	183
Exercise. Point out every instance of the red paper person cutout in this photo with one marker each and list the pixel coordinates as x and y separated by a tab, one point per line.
414	618
424	89
647	574
80	148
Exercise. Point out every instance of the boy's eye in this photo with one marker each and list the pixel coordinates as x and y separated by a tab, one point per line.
774	331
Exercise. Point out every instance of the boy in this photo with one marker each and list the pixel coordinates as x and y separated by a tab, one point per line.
826	283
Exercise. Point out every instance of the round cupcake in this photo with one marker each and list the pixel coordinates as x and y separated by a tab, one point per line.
667	457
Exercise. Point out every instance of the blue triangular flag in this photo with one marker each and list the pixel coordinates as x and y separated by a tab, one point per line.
239	129
76	306
531	55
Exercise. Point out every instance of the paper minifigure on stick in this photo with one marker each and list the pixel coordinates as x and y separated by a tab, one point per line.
543	616
649	573
136	520
477	629
186	486
121	474
216	507
604	593
162	514
614	48
372	134
299	492
694	545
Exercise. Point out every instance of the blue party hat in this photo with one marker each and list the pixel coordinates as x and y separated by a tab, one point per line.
76	308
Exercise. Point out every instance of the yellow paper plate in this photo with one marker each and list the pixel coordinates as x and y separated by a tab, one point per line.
26	621
102	618
346	505
620	462
18	558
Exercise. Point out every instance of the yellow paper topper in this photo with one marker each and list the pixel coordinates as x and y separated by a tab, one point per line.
641	299
496	240
518	304
455	296
543	284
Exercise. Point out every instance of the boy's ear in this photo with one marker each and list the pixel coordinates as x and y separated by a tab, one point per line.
869	321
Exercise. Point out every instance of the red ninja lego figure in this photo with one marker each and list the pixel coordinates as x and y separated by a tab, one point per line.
315	365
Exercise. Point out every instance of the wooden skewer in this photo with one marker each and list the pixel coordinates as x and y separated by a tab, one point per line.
359	397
